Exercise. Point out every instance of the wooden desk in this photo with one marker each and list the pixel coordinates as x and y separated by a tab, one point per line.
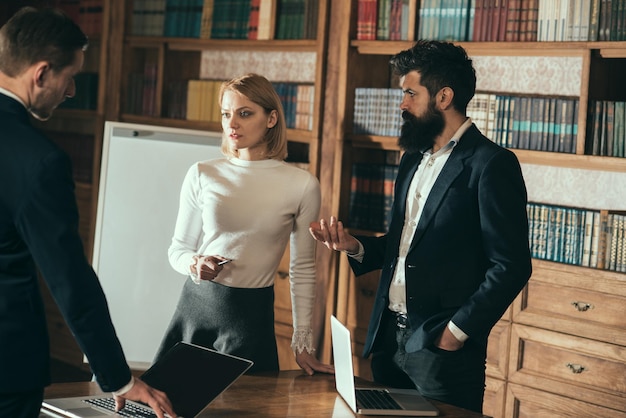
285	394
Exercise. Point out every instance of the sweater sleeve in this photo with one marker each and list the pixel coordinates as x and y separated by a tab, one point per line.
188	229
302	266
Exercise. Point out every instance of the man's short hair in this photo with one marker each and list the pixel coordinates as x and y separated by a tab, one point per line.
440	64
32	35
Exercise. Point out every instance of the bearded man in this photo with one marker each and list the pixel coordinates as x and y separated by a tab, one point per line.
456	253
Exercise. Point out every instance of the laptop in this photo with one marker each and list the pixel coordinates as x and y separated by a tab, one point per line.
191	375
371	401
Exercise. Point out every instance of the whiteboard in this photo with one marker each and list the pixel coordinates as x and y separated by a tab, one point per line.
140	179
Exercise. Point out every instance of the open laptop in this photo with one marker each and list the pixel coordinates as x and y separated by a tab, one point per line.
191	375
371	401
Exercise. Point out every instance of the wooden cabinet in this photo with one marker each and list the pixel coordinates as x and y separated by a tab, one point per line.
557	351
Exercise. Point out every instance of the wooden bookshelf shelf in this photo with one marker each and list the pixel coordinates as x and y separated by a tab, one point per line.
195	44
560	49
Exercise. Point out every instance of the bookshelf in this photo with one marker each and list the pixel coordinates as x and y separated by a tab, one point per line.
159	68
540	324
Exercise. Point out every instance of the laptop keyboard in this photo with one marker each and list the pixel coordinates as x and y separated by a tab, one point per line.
130	410
376	399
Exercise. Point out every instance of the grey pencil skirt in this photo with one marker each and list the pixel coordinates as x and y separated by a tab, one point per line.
237	321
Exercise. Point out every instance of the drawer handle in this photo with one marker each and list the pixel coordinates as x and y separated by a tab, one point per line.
582	306
576	368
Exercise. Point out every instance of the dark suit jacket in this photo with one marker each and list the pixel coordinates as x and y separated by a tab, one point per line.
39	228
469	257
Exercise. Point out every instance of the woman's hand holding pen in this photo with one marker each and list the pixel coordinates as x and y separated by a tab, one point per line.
207	267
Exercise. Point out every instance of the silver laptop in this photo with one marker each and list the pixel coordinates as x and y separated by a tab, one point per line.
191	375
371	401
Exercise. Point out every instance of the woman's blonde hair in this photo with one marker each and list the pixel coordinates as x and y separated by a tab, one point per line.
259	90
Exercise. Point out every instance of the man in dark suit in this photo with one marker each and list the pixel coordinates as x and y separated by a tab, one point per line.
456	253
40	53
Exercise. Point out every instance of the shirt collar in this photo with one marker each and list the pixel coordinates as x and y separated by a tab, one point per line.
12	95
453	141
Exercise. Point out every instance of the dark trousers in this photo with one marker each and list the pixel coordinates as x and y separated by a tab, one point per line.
21	404
453	377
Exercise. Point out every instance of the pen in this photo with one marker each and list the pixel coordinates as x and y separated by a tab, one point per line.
223	262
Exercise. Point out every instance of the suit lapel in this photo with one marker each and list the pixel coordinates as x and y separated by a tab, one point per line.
451	170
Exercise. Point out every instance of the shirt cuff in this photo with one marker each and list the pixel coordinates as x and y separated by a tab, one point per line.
457	332
128	386
358	256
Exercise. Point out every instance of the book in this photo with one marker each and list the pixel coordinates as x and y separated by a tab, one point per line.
267	11
206	19
253	19
367	12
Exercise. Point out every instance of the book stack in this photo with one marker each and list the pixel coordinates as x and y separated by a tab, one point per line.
493	20
371	196
377	111
86	13
296	19
536	123
297	100
583	237
446	20
202	100
141	92
148	17
606	131
230	19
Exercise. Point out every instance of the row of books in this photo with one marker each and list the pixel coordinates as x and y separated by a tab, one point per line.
197	99
86	13
606	129
385	20
582	237
531	123
141	92
226	19
493	20
580	20
371	196
377	111
521	122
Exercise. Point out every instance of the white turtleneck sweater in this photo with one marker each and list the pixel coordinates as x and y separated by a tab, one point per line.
247	211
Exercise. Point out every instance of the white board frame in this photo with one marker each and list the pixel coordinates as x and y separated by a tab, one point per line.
142	170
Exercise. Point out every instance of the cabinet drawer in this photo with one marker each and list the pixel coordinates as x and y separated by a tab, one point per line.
523	402
493	404
558	300
571	366
498	350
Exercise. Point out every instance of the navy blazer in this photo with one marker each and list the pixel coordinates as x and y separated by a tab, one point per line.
39	230
469	257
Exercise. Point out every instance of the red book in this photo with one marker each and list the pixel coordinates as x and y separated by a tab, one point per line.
253	20
478	20
502	24
513	16
366	20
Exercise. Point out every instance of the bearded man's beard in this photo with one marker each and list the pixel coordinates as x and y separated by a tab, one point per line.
418	133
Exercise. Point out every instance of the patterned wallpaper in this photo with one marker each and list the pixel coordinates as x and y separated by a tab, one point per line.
276	66
589	189
560	76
